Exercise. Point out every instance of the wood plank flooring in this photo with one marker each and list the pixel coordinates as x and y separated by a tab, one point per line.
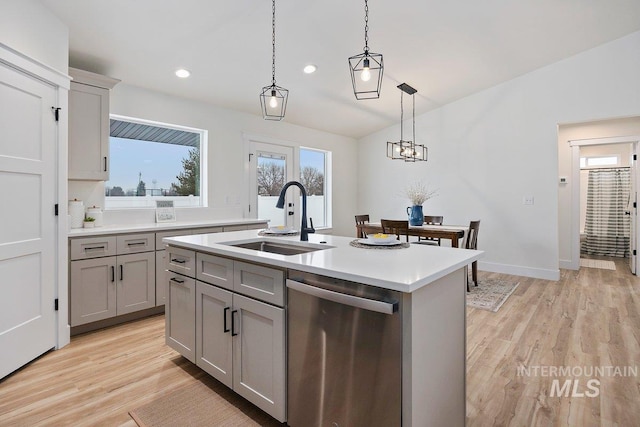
589	318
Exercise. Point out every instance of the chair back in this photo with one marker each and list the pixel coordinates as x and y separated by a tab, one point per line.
397	227
472	237
433	220
361	220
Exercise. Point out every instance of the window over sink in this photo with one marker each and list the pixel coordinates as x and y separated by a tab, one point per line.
155	161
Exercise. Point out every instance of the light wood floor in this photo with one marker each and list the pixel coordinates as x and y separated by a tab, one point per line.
588	318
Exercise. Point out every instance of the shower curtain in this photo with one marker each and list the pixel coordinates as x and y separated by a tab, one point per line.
607	226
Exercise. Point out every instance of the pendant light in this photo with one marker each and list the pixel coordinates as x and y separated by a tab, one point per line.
366	68
273	98
408	151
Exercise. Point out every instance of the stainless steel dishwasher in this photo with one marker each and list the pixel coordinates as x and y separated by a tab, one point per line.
344	353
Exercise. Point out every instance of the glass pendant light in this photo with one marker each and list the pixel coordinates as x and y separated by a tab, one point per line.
366	68
408	151
273	99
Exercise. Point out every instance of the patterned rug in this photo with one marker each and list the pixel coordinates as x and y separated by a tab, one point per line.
490	294
597	263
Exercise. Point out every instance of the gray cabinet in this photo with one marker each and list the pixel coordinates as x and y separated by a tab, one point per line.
89	125
102	286
180	316
240	340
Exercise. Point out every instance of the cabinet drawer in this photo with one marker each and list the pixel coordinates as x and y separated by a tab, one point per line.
263	283
163	234
181	261
259	226
215	270
93	247
133	243
206	230
234	227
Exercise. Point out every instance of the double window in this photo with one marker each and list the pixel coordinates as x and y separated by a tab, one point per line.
154	161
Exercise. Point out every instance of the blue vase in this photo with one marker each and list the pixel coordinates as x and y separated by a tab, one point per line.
415	215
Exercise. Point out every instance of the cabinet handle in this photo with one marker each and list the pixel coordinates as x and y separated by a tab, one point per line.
173	279
224	315
93	248
179	261
105	163
233	323
121	272
113	273
136	243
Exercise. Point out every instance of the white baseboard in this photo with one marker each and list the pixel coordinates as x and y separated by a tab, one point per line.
569	265
519	270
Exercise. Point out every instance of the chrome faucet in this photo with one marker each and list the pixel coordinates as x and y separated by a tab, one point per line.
304	230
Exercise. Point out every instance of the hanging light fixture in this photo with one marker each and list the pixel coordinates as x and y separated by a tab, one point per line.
408	151
366	68
273	98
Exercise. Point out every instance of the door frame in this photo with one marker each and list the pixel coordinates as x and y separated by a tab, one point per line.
575	189
62	83
249	146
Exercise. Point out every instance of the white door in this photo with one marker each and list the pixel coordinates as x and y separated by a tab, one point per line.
28	146
632	210
271	167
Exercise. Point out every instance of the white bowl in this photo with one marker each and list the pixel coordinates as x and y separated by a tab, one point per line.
381	239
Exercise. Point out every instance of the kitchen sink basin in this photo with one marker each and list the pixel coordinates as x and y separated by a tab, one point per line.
282	248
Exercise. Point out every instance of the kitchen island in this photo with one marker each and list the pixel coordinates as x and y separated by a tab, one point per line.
427	288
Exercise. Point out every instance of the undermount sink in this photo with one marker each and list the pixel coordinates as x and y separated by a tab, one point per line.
282	248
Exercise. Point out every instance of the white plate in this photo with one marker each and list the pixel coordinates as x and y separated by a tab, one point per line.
375	243
389	238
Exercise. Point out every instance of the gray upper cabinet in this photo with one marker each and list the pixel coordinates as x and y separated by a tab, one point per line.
89	125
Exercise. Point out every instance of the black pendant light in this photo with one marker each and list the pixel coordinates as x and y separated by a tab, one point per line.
366	68
408	151
273	98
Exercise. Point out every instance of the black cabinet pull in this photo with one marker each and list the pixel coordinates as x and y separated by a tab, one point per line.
105	163
93	248
224	315
121	272
233	323
136	243
179	261
113	273
173	279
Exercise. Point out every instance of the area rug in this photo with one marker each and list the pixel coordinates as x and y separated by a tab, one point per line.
597	263
490	294
201	404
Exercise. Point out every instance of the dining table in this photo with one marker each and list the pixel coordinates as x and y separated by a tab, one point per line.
450	232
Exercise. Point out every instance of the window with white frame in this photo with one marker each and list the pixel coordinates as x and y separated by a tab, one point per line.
315	167
154	161
599	161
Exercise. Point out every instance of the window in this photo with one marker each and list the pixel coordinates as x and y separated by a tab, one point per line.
590	162
314	175
154	161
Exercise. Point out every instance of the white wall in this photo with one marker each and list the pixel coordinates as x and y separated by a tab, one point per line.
225	156
30	28
490	149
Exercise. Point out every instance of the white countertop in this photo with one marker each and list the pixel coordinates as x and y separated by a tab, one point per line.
405	269
163	226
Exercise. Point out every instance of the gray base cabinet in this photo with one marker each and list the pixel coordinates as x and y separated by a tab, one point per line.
180	315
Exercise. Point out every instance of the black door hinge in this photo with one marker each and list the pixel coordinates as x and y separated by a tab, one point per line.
55	208
634	204
635	157
56	113
634	252
55	304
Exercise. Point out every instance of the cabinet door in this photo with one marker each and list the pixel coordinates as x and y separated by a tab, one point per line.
215	270
93	290
88	132
257	281
259	355
161	280
136	282
180	315
213	332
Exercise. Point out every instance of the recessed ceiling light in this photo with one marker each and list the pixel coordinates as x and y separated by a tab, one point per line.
310	69
182	73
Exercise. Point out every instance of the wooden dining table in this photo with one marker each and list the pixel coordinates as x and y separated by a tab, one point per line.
451	232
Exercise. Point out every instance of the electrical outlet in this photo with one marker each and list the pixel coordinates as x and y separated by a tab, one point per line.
527	200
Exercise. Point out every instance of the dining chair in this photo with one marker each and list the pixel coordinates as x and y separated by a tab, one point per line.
397	227
472	243
361	220
431	220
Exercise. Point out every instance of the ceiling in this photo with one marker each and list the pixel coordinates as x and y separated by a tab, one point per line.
446	50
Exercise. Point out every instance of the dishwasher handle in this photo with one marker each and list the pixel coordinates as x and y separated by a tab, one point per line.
340	298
